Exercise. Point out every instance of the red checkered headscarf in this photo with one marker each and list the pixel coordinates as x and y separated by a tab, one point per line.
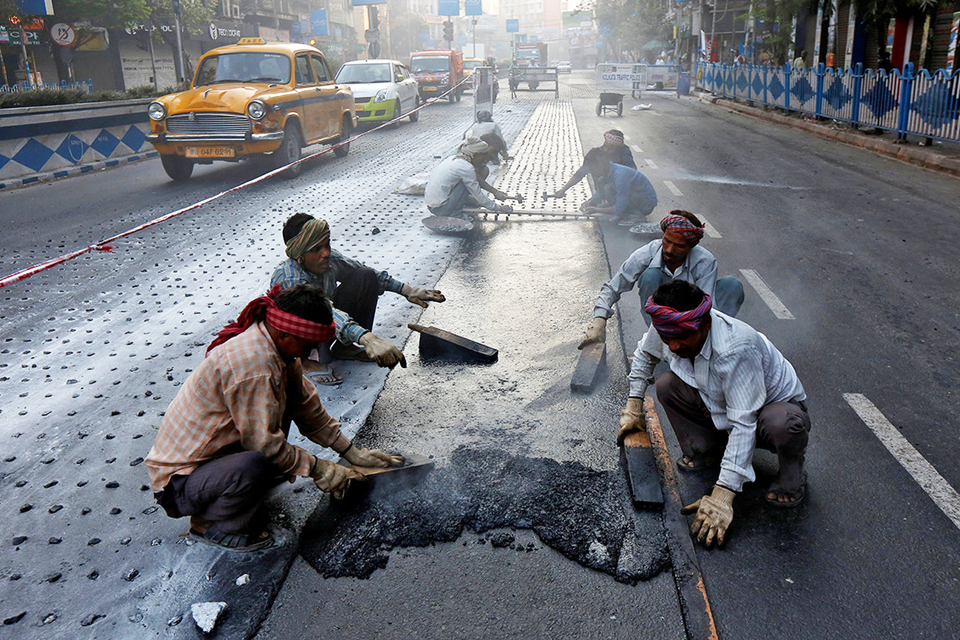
613	138
264	308
691	232
670	322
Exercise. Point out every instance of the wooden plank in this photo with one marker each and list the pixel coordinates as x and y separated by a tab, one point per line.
438	344
592	357
641	466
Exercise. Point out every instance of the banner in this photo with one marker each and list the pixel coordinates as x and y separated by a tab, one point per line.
319	19
363	3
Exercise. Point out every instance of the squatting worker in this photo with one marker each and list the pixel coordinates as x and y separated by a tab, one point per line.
489	131
728	392
453	184
616	151
310	260
629	196
676	256
223	444
483	172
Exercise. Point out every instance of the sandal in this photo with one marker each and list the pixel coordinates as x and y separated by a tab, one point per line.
340	351
798	494
325	376
696	464
244	542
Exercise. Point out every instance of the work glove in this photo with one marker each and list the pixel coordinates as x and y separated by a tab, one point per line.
333	478
419	296
382	352
504	208
714	515
371	458
632	419
596	332
518	198
559	194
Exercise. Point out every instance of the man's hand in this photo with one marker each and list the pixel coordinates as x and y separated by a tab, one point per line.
371	458
420	296
503	208
714	515
382	352
333	478
558	194
632	419
586	207
596	332
518	198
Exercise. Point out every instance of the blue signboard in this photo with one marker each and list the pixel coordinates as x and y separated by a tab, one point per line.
36	7
472	8
362	3
448	7
319	19
513	26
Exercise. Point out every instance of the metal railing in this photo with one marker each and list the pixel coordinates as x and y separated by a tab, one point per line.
26	85
909	103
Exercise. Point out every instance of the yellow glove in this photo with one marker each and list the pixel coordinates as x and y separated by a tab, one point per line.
632	419
333	478
371	458
420	296
714	515
382	352
596	332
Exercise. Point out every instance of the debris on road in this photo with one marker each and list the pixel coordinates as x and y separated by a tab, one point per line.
207	614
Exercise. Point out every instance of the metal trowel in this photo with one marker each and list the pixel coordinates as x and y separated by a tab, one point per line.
437	344
383	480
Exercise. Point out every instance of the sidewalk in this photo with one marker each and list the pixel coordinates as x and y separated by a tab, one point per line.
942	157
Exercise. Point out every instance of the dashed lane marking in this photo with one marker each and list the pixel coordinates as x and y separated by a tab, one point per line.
673	188
636	148
767	295
651	163
709	229
929	479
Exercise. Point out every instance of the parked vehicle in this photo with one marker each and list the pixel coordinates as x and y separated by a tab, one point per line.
564	67
382	89
469	64
437	71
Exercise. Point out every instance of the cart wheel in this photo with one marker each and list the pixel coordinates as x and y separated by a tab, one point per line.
599	108
620	108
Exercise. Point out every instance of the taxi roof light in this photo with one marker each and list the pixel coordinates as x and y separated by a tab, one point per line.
251	41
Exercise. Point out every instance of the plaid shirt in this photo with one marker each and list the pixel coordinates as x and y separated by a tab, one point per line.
239	394
290	274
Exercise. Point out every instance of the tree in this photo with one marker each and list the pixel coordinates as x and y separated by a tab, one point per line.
404	27
629	24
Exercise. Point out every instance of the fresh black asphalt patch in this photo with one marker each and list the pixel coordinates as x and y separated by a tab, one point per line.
576	510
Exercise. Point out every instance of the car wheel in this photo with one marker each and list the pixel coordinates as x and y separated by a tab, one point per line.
177	167
346	130
397	114
416	105
289	151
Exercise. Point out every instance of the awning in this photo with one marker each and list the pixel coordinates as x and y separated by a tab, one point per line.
657	44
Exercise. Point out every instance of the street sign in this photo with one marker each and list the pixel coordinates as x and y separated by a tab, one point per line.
448	7
513	26
63	34
472	8
36	7
319	18
371	35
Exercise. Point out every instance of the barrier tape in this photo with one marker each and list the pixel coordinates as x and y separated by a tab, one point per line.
104	245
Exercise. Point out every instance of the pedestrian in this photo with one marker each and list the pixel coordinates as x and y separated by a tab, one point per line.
453	184
615	149
222	443
800	62
630	196
489	131
728	392
353	289
676	256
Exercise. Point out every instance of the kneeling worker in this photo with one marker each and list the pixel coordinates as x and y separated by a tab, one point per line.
728	392
676	256
628	194
222	443
453	183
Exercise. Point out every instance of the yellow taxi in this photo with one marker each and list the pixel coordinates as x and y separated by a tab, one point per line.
249	99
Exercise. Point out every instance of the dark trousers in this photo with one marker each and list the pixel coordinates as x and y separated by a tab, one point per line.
782	427
357	295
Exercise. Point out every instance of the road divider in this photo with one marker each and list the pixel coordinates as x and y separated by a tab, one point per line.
767	295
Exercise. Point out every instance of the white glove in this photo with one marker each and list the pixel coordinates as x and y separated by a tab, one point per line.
371	458
382	352
596	332
632	418
420	296
504	208
714	515
333	478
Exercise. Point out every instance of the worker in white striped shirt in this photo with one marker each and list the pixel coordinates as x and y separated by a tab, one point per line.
728	392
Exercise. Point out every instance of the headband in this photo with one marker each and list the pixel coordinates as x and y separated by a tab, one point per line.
314	232
672	323
609	136
683	226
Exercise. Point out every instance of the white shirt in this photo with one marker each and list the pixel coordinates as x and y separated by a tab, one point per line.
699	268
446	175
738	372
483	128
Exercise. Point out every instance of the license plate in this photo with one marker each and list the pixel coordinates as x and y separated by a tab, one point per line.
210	152
429	88
361	107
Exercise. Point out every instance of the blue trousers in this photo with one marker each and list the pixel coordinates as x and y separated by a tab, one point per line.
459	198
727	298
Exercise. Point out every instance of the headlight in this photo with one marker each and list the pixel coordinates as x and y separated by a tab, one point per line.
256	109
381	96
156	111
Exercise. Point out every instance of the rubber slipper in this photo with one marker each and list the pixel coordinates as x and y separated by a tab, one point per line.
332	377
775	488
699	464
243	542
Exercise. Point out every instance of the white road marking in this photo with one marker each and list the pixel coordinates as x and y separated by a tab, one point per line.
767	295
926	475
709	229
650	163
673	188
636	148
626	137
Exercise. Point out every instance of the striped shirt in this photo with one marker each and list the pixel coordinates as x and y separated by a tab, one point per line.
239	394
290	274
738	372
699	268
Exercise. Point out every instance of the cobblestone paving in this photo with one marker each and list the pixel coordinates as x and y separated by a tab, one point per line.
93	351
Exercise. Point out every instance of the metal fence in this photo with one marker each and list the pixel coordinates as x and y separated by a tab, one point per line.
909	103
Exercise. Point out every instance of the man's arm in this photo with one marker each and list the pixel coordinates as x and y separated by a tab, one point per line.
745	391
648	354
577	177
624	280
348	331
469	177
312	418
627	158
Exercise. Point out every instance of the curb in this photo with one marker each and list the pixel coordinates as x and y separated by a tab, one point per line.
36	178
919	156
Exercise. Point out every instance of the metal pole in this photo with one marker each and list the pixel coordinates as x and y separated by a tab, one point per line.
153	61
676	45
180	72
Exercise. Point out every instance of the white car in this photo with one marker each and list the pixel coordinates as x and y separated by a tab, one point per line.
382	89
564	67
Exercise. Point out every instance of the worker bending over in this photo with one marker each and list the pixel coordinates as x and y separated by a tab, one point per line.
627	193
489	131
615	150
453	184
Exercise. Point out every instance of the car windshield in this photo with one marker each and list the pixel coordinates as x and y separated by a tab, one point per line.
472	64
244	67
360	73
436	63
